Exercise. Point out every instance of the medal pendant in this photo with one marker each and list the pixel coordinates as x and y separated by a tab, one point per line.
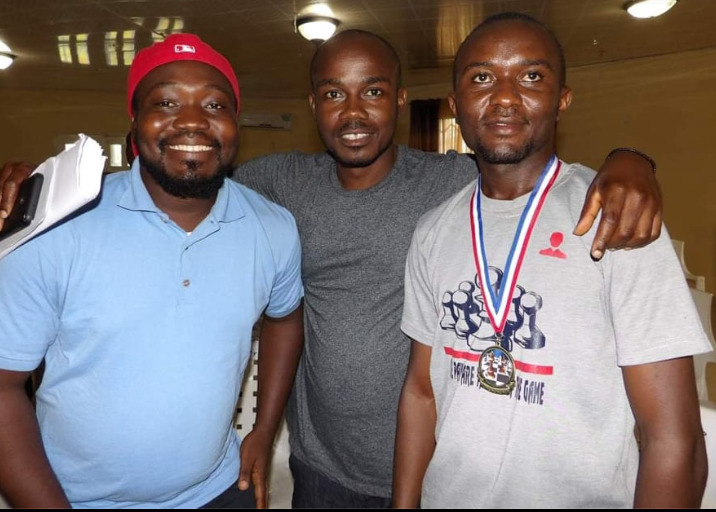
496	370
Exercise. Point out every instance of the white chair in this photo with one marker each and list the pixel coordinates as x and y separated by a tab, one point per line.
704	302
280	484
708	422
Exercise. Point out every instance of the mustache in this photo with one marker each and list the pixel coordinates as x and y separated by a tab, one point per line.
499	113
354	125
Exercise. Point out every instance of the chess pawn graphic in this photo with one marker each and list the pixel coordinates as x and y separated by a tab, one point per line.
514	319
449	318
465	307
528	334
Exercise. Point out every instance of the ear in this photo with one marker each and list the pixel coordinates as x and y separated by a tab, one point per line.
402	99
565	100
312	104
451	104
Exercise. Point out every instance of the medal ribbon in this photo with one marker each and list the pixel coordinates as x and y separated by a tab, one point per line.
498	302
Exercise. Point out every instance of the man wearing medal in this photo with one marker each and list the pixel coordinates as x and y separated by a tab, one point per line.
531	370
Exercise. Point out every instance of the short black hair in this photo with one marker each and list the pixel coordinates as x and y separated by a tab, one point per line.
354	32
514	16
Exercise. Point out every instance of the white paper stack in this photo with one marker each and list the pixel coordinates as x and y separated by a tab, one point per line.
71	180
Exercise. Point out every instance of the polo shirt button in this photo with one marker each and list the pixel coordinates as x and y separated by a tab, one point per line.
186	283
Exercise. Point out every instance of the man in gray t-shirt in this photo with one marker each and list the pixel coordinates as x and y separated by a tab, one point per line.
356	207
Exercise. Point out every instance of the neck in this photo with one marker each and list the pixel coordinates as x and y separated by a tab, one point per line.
362	178
509	181
187	213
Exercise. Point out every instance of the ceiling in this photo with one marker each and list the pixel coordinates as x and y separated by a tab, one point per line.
271	60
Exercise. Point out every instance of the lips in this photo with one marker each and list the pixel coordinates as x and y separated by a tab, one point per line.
355	138
191	148
505	126
354	133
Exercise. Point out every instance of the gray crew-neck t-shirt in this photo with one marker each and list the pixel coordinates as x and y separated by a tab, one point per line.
342	412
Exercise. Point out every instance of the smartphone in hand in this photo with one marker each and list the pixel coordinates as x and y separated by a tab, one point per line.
25	206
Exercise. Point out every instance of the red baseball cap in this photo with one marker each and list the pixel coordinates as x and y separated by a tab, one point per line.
174	48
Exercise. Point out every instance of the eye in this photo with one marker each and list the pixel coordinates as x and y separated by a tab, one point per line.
481	78
164	103
374	92
215	105
533	76
333	95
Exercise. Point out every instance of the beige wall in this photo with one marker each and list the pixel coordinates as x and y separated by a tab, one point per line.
663	105
261	141
30	120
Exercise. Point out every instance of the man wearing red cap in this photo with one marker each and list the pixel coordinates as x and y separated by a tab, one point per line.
142	308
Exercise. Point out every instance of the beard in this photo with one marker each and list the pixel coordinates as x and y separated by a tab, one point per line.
356	161
503	155
190	184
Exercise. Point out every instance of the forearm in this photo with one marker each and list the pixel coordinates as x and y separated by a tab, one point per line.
26	478
414	447
280	346
672	451
672	473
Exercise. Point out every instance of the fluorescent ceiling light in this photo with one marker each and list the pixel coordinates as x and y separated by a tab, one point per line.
648	8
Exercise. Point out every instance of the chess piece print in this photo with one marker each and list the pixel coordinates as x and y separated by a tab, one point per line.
465	309
528	335
449	318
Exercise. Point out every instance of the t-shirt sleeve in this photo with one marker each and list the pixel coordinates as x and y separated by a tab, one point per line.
287	289
29	316
419	314
653	314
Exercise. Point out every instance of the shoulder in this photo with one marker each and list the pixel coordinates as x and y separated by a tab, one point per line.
289	161
443	215
452	161
575	175
275	220
572	184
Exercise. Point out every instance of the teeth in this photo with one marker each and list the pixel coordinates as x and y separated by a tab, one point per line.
354	136
190	149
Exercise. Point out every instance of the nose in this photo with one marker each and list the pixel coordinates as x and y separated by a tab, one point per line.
505	94
191	118
353	108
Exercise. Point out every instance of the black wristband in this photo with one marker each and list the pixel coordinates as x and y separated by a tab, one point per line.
632	150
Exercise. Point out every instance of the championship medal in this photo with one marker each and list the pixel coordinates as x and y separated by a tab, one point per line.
496	368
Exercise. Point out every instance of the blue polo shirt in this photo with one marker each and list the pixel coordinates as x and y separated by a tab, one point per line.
146	332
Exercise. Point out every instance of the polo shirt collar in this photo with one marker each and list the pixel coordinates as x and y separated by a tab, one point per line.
137	198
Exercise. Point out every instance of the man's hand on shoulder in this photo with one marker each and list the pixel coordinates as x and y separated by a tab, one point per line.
627	192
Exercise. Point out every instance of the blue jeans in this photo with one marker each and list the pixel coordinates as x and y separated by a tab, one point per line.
313	490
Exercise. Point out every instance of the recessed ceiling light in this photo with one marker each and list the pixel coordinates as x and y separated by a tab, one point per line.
6	56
